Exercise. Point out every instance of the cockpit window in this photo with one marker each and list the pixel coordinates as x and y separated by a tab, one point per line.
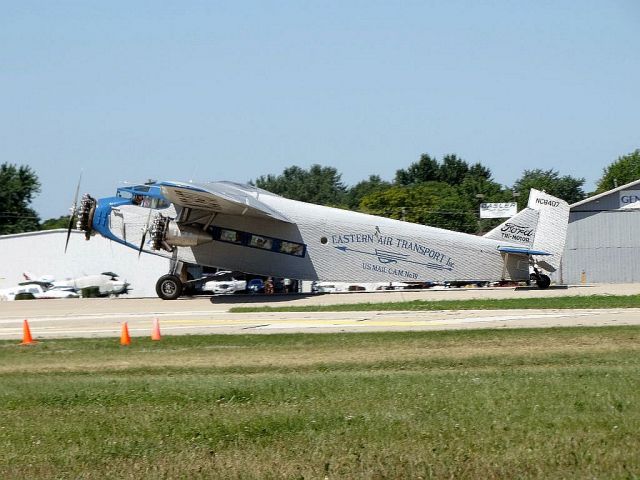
150	202
159	203
139	196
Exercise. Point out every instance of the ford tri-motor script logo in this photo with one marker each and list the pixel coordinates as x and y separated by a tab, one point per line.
515	232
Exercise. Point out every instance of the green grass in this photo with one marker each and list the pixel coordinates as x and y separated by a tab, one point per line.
539	403
593	301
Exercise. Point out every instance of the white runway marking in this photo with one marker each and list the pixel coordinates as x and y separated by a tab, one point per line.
99	316
104	318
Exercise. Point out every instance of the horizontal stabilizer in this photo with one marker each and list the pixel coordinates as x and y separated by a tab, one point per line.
522	251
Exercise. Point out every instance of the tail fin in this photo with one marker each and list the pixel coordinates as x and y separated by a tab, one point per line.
541	227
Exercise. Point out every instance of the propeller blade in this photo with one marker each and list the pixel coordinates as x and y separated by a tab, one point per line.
144	233
72	217
144	236
75	198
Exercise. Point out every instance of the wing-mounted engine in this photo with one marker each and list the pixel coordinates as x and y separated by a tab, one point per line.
166	234
86	210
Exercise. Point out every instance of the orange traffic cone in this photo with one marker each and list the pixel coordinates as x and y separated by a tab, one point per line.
155	332
125	339
26	334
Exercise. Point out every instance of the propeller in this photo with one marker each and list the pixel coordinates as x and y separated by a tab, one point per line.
144	233
74	209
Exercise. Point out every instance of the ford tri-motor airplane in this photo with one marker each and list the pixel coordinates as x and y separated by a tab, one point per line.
243	228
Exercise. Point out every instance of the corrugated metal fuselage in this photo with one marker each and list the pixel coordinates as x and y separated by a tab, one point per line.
339	245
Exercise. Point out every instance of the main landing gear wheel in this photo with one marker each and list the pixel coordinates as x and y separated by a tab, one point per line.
543	281
169	287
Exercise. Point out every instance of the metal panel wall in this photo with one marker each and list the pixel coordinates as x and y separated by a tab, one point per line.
41	253
602	247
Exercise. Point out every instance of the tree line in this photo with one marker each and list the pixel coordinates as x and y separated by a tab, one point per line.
443	193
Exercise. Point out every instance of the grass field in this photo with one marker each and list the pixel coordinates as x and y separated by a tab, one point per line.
540	403
591	301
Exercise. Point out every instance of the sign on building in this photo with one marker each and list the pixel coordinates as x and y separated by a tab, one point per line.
628	197
498	210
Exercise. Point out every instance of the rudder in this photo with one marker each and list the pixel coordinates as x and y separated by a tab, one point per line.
542	226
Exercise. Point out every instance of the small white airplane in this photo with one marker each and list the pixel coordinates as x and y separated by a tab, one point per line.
244	228
37	289
107	283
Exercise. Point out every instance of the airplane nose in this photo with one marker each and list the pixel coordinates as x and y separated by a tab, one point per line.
86	214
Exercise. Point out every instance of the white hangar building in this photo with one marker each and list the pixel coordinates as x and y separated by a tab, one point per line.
42	253
603	238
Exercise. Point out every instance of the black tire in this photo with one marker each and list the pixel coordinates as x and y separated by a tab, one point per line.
189	287
24	296
543	281
169	287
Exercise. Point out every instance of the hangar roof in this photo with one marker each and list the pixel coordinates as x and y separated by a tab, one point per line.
584	204
35	233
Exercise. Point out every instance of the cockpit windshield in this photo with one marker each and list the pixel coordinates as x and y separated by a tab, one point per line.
124	194
144	196
150	202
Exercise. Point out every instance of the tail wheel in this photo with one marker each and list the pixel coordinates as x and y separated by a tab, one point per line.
543	281
169	287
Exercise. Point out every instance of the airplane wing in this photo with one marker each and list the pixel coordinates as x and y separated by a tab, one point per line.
220	197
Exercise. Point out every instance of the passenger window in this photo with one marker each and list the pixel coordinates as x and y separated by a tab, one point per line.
230	236
291	248
260	242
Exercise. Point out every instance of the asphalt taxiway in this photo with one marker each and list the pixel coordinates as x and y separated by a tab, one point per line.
104	317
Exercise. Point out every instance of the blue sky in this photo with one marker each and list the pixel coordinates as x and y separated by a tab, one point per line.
128	91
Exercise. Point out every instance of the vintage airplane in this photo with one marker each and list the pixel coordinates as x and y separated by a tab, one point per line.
244	228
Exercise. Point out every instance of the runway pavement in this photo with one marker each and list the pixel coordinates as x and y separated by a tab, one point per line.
104	317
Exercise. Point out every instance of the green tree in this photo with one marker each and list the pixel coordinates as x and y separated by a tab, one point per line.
566	187
429	203
320	185
453	170
625	169
462	187
360	190
18	186
53	223
477	170
426	169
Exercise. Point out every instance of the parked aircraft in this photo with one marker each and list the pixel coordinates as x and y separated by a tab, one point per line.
107	283
244	228
37	289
